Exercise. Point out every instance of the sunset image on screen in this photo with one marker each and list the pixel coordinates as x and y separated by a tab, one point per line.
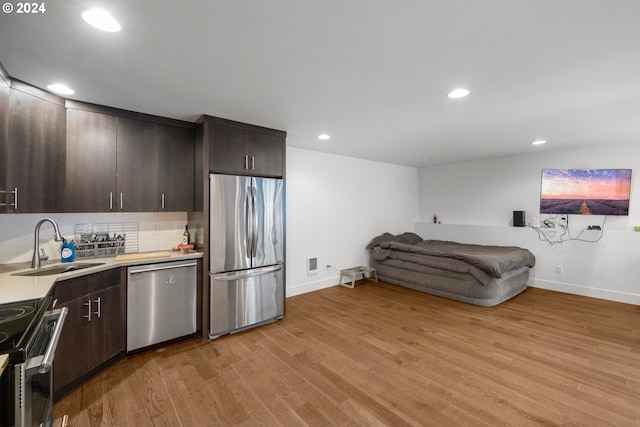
585	191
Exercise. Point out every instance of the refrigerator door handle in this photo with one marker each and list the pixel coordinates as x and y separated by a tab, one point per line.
235	276
248	213
254	234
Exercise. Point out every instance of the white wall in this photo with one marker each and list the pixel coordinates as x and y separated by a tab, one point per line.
475	203
335	206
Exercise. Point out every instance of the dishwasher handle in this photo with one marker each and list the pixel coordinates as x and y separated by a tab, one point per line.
157	267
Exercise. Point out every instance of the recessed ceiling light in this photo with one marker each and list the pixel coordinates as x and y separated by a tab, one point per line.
101	19
539	142
324	137
61	88
458	93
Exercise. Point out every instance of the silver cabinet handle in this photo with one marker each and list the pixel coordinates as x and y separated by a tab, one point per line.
253	163
88	316
110	200
162	202
99	307
121	205
15	198
246	162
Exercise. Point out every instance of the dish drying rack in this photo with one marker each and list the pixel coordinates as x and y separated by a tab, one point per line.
102	240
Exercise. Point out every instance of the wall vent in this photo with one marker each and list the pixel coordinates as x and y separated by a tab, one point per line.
312	265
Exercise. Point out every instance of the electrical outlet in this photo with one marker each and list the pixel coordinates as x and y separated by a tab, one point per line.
560	269
156	230
535	222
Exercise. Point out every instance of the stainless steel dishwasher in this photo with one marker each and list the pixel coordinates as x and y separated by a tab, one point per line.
161	302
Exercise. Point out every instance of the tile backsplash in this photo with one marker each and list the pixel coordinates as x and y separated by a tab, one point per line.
157	231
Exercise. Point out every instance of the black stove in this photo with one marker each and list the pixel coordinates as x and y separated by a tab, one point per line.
18	322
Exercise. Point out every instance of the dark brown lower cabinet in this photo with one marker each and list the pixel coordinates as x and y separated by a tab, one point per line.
93	333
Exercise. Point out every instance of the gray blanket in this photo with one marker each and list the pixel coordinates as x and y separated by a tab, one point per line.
493	260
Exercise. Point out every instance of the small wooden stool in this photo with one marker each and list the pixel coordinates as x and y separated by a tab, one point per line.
353	273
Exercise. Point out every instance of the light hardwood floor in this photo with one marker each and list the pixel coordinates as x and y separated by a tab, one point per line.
381	355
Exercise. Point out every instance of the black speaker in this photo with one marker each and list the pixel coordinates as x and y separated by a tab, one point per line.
518	219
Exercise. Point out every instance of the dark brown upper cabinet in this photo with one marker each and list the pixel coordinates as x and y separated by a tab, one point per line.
132	165
91	157
33	153
242	149
113	163
137	166
175	168
4	137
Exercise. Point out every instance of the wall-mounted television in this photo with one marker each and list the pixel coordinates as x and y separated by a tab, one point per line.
585	191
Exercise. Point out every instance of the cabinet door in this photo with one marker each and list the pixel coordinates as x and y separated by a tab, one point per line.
91	162
73	351
267	154
36	152
92	332
229	151
105	325
4	135
137	160
176	156
243	151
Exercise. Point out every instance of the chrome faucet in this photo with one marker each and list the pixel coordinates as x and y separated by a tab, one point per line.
35	261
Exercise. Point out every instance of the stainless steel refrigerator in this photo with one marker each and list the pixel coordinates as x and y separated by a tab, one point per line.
246	266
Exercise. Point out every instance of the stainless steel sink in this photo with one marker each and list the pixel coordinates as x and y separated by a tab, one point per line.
58	269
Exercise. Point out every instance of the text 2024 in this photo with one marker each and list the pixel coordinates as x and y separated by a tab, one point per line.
30	8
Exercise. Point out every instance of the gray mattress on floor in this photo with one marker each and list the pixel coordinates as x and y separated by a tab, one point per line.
459	276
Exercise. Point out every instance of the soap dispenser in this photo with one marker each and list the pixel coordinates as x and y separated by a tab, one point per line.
68	251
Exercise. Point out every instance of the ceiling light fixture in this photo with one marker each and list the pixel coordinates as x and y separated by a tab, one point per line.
324	137
102	20
458	93
539	142
61	88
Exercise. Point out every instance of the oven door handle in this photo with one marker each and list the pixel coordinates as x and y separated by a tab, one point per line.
46	362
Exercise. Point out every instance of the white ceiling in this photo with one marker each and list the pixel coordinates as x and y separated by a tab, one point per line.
374	74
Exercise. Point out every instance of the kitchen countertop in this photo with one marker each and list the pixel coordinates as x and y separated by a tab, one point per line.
20	288
4	360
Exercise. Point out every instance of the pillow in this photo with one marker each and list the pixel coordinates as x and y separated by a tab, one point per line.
384	237
409	238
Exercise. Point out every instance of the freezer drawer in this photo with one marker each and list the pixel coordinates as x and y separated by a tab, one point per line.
244	299
161	302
